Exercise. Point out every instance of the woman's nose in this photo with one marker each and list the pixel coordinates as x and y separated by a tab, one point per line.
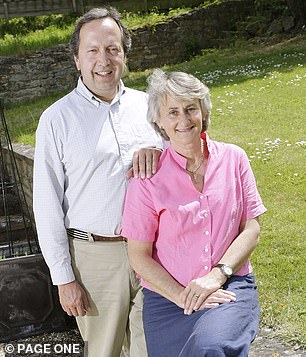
185	117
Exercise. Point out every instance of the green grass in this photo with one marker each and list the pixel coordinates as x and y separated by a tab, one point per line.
47	31
258	94
21	44
152	18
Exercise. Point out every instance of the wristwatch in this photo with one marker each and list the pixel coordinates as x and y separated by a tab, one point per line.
226	269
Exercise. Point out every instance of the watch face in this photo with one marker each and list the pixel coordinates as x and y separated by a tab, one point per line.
227	270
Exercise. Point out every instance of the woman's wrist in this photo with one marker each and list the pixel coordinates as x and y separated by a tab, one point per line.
176	296
219	276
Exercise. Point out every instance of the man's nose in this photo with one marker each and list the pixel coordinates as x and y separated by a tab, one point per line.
103	57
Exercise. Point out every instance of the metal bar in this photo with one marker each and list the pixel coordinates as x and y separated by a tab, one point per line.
74	6
5	10
29	231
5	205
82	4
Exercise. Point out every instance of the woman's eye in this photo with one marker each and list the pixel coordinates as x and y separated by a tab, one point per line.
113	51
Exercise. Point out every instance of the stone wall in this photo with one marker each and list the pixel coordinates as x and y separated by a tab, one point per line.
36	75
24	155
52	70
185	35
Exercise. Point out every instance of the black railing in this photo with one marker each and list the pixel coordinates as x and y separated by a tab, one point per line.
29	302
17	232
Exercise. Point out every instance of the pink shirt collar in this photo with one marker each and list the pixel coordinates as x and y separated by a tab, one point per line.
181	160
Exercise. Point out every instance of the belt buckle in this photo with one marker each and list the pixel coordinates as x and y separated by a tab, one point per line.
90	237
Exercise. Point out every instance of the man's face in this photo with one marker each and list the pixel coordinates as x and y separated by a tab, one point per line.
101	58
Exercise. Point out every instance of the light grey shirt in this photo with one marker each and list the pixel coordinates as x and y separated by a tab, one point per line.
84	148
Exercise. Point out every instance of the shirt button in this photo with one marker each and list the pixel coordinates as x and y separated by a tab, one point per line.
206	233
206	250
201	197
205	215
205	267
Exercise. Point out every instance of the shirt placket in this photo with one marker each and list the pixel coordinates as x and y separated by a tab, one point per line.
205	216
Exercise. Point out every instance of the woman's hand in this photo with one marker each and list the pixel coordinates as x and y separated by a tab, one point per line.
196	293
215	299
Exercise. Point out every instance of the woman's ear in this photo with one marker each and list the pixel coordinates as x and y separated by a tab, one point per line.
157	122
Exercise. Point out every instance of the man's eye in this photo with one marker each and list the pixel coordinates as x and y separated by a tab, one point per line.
92	50
173	113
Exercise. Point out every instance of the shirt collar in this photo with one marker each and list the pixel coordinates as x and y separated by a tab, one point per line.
87	94
181	160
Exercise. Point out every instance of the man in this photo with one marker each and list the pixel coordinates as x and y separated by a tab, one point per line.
84	147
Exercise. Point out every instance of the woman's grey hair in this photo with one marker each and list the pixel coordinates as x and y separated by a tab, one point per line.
180	86
96	14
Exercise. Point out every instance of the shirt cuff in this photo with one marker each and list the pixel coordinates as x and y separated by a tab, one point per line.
62	276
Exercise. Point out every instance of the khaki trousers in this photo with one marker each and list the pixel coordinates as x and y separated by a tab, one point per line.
115	317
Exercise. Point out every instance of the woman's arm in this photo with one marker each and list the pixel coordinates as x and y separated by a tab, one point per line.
243	246
198	290
140	256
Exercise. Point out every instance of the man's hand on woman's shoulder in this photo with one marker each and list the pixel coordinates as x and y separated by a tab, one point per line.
145	163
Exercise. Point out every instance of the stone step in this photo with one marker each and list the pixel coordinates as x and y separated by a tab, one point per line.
9	202
18	249
9	205
16	225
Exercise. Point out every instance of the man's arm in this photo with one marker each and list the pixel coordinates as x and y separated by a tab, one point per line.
48	193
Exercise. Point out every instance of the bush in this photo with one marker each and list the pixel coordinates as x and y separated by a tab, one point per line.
23	25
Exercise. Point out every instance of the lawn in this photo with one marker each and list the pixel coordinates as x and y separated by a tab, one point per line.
258	94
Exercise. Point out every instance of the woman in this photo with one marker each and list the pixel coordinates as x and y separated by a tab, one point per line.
192	228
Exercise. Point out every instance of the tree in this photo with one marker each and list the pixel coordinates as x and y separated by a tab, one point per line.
298	11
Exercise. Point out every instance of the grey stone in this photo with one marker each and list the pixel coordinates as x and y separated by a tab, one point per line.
54	70
288	23
276	27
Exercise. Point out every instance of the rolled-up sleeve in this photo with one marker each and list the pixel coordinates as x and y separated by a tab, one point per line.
252	203
140	219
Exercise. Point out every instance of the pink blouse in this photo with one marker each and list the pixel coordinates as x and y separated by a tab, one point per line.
192	230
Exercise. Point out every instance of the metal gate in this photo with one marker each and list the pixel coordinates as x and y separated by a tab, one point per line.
29	301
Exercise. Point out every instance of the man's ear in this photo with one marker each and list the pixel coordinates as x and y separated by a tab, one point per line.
77	62
125	72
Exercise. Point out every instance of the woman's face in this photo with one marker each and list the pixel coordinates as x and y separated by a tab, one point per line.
181	120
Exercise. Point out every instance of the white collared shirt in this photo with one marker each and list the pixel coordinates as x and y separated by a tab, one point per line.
84	148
